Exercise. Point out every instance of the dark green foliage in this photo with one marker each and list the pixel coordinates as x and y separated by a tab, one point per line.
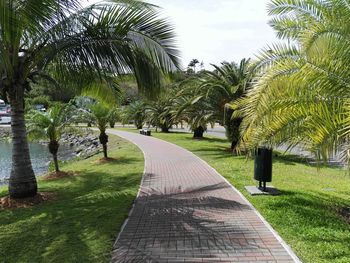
160	113
113	116
225	84
232	128
135	112
39	100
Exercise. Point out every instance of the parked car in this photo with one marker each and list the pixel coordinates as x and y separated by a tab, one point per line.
40	107
5	113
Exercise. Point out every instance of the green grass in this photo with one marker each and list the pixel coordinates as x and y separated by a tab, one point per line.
82	224
304	214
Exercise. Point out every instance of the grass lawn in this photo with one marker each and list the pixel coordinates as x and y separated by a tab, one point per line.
81	225
305	214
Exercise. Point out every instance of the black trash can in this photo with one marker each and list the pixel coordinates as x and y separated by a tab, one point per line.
263	166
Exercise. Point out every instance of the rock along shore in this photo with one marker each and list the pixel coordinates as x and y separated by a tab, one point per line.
85	142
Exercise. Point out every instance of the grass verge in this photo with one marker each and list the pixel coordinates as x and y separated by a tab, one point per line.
305	214
83	222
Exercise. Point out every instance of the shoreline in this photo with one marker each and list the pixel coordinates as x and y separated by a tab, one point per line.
78	146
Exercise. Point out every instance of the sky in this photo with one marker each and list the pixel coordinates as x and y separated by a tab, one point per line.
213	31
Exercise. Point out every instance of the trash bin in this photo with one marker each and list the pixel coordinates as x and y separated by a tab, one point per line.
263	167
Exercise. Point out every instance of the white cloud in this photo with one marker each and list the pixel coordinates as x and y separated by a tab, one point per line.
217	30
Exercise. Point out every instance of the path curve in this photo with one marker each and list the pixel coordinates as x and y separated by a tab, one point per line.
186	212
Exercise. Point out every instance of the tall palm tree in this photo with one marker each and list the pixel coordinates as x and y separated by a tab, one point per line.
49	126
100	113
193	63
226	83
301	95
61	40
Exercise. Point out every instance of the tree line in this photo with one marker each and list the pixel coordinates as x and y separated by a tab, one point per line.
294	93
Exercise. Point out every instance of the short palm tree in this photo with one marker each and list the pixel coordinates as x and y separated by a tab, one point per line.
159	113
101	115
59	40
113	116
136	113
49	125
194	110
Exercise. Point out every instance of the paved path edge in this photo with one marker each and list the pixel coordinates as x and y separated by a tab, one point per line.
267	224
139	190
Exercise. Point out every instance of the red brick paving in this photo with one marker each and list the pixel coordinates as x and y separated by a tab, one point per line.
186	212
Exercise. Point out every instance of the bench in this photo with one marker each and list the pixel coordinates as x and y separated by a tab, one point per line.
145	132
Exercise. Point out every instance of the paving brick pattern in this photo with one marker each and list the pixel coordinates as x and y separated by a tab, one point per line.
186	212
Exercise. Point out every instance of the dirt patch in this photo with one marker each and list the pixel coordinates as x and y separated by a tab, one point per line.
105	160
345	213
9	203
58	175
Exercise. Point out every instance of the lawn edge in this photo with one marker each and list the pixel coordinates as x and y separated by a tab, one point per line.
110	131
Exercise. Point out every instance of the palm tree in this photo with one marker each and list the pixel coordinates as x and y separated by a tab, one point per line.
135	112
101	115
49	126
193	63
61	40
225	84
195	110
113	116
159	113
301	95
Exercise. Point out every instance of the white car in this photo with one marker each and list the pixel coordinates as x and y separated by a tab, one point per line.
5	113
5	119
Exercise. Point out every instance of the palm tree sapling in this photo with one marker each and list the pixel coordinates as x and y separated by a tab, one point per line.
49	126
101	114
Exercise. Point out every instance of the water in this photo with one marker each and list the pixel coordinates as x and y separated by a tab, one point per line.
39	154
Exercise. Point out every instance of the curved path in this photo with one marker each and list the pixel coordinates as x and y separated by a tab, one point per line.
187	212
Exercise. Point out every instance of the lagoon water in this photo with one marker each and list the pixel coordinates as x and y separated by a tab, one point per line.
40	157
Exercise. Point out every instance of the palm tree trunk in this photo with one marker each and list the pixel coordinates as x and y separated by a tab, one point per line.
105	151
55	161
22	179
198	132
53	148
104	140
165	129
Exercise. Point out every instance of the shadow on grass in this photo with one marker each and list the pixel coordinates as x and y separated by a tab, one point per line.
208	139
116	160
293	159
86	216
312	219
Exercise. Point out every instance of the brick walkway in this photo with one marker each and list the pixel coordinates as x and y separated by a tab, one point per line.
186	212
